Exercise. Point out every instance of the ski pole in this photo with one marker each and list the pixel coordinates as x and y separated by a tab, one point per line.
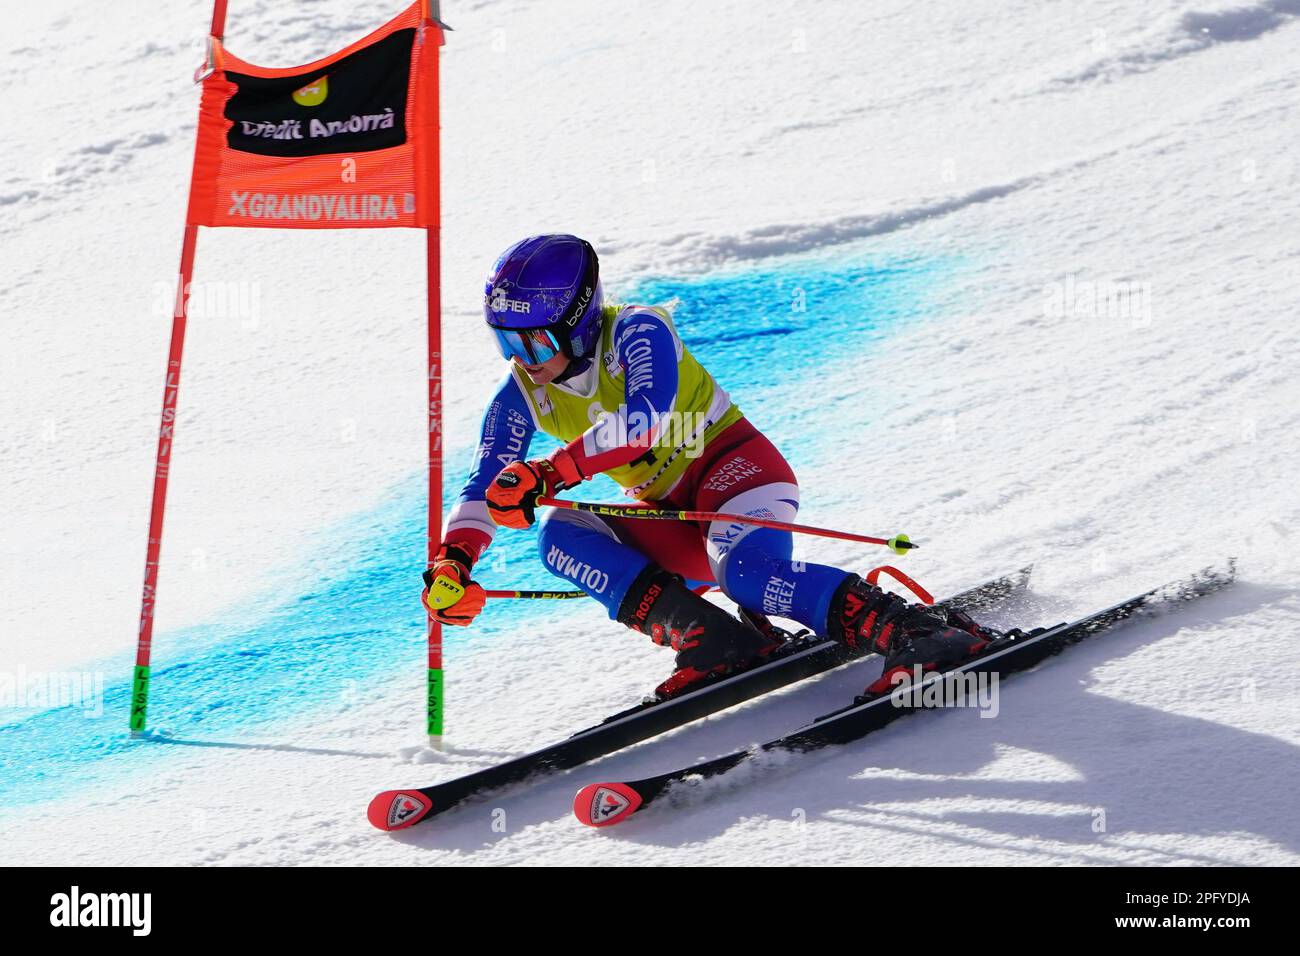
899	543
539	595
444	592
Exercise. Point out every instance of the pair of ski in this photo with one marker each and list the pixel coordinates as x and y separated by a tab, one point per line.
605	804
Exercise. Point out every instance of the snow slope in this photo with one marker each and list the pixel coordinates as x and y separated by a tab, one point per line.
947	190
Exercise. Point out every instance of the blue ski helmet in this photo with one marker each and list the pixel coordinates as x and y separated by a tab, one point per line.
543	299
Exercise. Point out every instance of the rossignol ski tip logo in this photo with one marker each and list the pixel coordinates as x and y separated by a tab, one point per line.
398	809
603	804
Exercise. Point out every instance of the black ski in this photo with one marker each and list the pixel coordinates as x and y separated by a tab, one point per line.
801	658
604	804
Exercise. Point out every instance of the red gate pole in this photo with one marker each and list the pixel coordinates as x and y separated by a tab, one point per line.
166	433
435	697
435	682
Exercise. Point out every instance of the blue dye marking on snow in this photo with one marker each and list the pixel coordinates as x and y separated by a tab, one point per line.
759	329
768	334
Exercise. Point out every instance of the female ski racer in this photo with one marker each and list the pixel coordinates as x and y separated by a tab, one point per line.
621	389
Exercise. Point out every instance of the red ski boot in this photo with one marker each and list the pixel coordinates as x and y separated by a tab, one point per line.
867	618
707	639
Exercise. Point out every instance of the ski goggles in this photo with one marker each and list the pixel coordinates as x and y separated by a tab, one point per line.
529	346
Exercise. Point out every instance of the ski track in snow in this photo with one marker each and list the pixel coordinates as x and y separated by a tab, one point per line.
921	177
1183	33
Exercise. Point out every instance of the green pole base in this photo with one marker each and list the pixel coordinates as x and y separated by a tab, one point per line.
435	701
139	699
